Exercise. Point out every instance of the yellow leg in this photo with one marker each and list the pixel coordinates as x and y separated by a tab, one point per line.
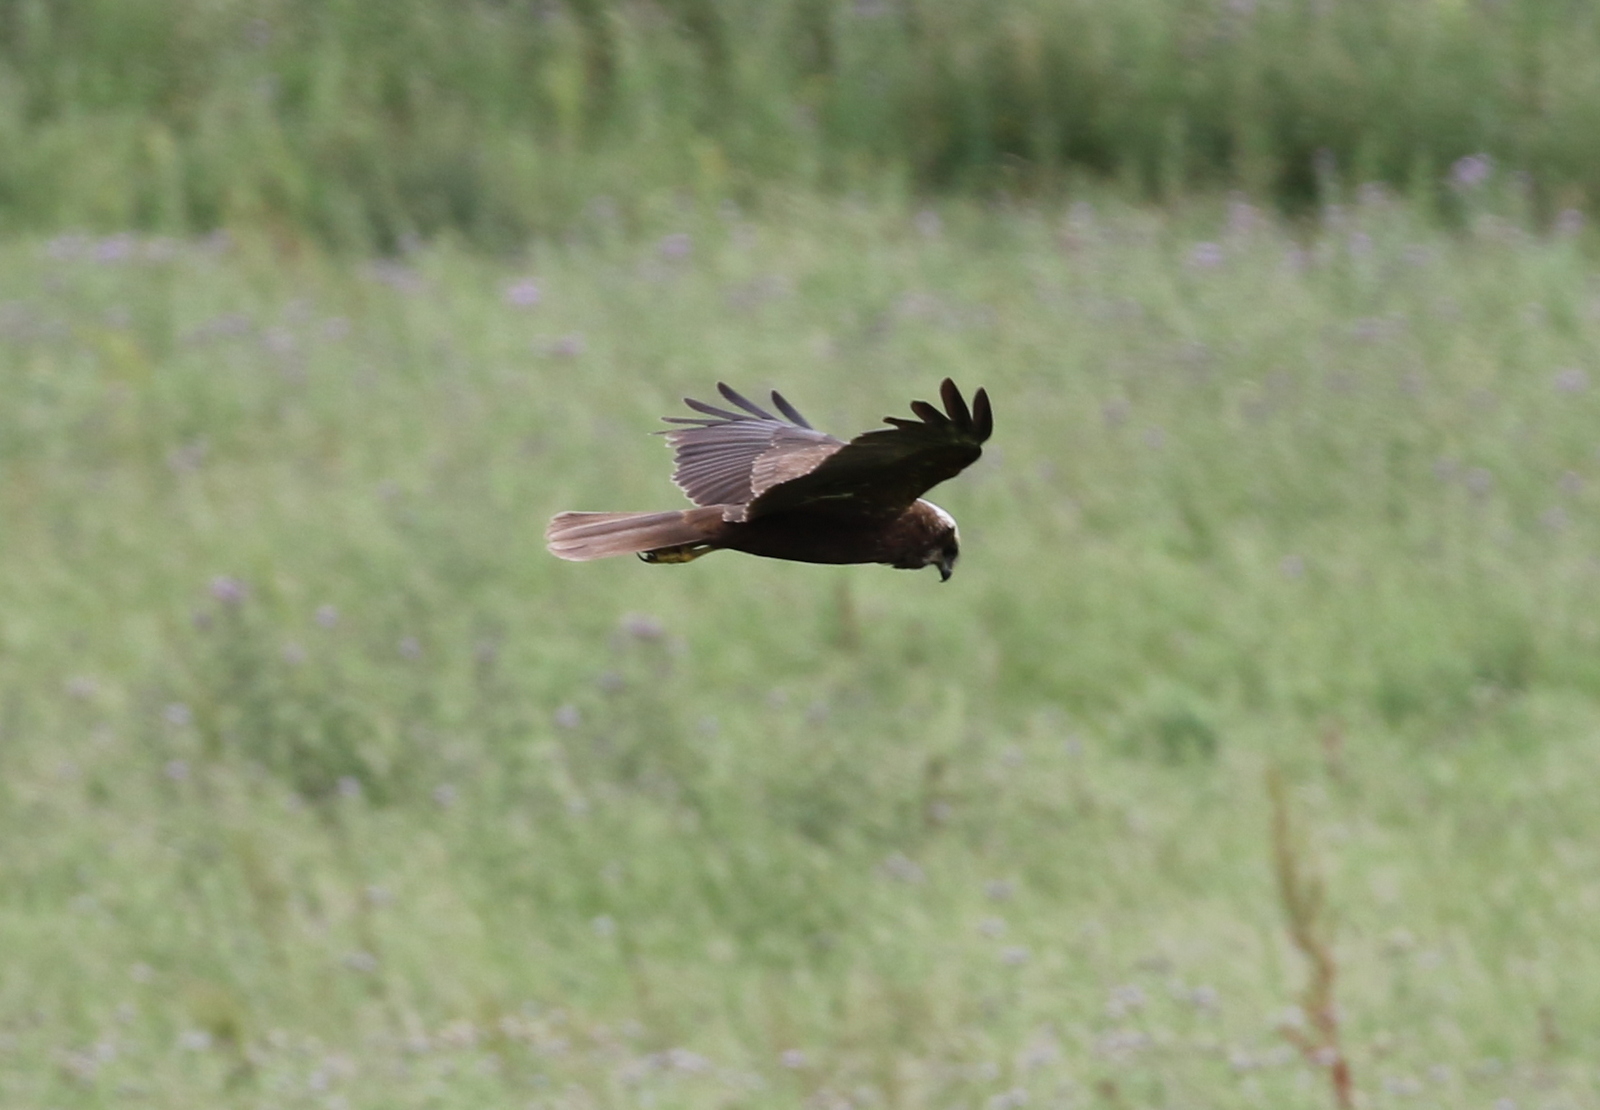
685	553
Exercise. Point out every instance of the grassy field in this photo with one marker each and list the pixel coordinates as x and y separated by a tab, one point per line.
359	124
322	785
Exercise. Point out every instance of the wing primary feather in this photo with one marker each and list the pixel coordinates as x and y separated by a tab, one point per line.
696	421
929	414
712	410
744	402
789	410
955	405
982	415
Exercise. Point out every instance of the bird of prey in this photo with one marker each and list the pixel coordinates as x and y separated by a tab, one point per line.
774	486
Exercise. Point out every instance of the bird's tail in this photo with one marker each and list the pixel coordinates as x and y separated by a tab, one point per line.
672	537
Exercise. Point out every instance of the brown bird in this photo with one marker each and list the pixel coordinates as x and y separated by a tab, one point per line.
774	486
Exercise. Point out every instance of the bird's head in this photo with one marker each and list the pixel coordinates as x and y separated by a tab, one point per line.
941	544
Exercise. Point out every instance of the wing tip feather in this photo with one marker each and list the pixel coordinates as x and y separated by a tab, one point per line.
751	411
982	415
955	405
749	406
790	411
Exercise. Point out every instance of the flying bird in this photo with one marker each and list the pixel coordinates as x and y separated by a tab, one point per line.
773	485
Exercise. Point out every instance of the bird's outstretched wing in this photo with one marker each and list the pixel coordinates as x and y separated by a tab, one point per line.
753	463
728	458
880	473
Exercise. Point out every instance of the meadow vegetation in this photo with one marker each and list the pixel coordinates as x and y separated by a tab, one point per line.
1245	762
322	785
361	124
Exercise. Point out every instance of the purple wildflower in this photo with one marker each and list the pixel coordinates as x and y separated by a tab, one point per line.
1123	1000
227	589
114	248
279	341
187	459
1572	379
642	626
1471	171
900	867
677	246
523	294
1206	256
568	346
396	275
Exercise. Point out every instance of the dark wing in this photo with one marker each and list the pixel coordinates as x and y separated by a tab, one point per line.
881	473
728	458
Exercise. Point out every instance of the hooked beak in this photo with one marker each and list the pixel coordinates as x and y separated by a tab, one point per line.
947	567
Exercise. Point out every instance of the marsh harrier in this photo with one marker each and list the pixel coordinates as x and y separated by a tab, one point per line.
774	486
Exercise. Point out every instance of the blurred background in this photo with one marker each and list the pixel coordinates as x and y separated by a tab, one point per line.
1245	761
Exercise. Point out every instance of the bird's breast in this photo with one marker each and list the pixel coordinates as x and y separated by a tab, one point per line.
811	536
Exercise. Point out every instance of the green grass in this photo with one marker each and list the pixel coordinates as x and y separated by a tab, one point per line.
426	818
360	124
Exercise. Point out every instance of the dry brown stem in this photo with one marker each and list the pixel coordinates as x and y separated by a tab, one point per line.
1301	891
